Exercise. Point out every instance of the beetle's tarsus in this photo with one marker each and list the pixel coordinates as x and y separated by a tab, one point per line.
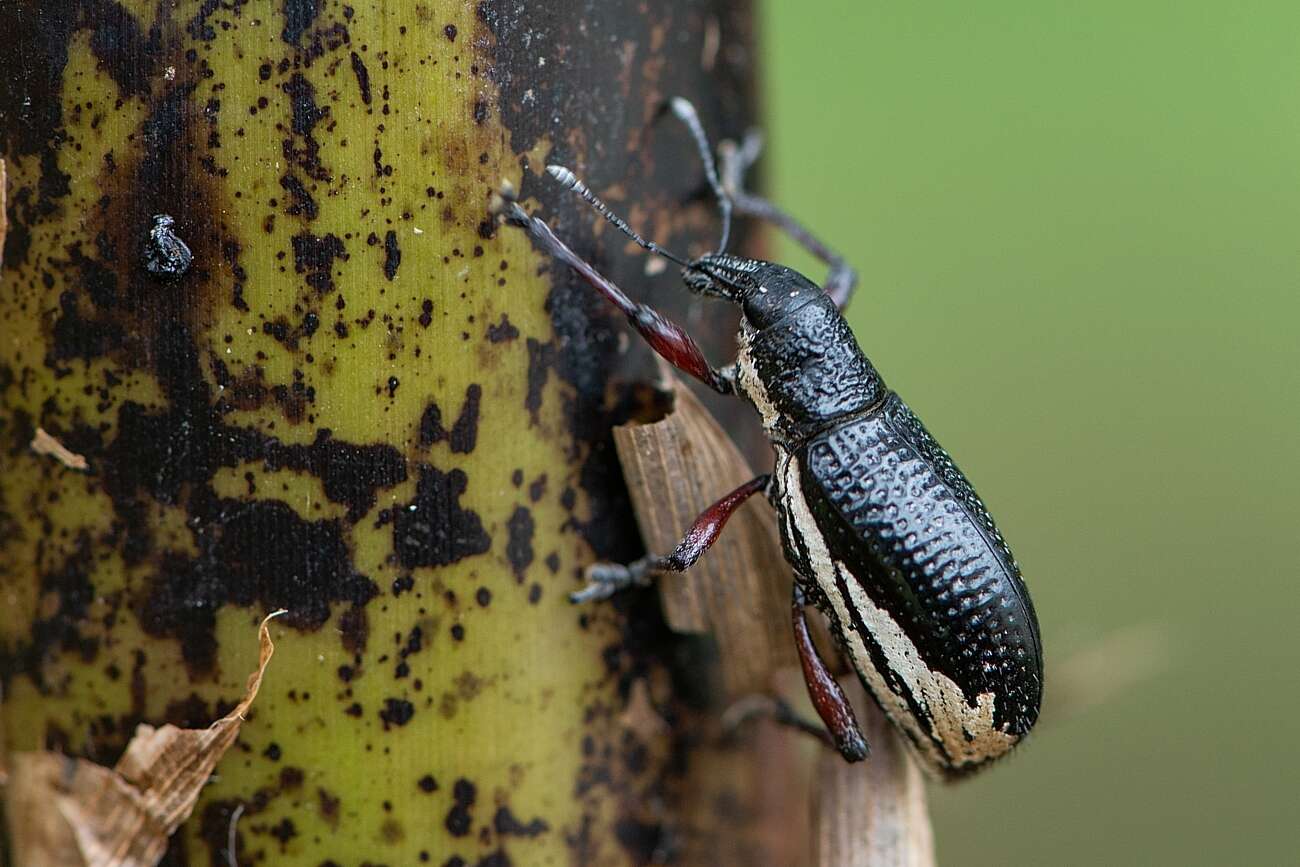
606	579
779	711
733	162
502	198
505	206
511	213
853	747
590	593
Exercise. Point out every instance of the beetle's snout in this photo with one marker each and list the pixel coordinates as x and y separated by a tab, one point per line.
720	275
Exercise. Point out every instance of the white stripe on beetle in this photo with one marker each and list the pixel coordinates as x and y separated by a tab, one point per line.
751	384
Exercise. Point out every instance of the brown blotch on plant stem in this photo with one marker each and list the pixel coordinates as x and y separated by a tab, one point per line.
464	433
519	547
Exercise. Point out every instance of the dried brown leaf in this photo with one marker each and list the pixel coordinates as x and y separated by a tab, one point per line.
67	812
44	444
740	589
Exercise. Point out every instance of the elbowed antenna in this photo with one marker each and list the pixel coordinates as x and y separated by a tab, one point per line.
686	114
572	182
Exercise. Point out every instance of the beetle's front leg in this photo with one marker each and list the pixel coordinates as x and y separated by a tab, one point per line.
827	697
842	279
664	336
606	579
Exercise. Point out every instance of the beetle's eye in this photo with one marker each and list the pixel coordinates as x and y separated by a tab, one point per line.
697	281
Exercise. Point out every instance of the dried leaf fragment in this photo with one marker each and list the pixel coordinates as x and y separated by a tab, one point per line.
740	589
67	812
44	444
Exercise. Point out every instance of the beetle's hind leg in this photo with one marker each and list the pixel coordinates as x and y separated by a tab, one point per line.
827	697
840	729
735	161
606	579
779	711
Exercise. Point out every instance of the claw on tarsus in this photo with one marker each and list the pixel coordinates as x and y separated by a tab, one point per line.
505	205
606	579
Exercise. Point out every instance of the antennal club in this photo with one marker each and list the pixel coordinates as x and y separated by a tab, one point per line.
686	114
572	182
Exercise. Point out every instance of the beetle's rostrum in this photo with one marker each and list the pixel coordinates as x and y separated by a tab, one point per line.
884	533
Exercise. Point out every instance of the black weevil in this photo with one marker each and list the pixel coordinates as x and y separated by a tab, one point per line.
885	534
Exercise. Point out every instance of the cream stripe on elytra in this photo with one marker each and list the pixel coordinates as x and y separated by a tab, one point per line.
824	572
966	734
752	384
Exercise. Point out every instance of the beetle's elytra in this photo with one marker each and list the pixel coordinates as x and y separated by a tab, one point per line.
884	533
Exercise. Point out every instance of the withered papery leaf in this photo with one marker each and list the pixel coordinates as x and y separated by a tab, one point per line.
740	589
68	812
44	444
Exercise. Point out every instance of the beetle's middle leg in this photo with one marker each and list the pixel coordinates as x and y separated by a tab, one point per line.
664	336
606	579
735	160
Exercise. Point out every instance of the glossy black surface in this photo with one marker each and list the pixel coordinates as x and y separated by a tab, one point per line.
812	368
891	504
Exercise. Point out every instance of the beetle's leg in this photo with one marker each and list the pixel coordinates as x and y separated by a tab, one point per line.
777	710
842	279
664	336
605	579
827	697
686	114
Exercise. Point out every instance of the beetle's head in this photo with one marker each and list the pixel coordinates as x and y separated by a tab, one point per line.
765	291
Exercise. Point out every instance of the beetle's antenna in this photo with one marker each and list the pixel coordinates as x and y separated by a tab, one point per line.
686	114
571	181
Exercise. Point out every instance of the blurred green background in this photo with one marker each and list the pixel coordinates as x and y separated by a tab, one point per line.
1078	227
